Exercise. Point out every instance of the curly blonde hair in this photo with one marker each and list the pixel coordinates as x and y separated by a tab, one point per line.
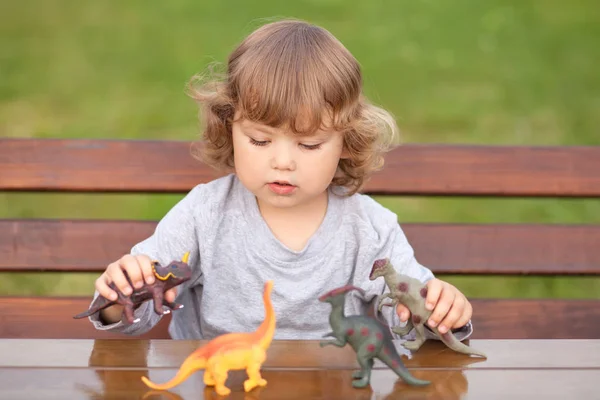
286	71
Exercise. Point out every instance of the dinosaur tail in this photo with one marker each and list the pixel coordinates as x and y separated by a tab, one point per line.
452	342
266	330
191	364
390	357
98	304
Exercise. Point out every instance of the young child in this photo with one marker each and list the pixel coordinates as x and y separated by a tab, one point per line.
291	126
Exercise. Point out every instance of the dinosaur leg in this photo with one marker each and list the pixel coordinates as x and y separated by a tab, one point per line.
128	310
360	373
208	379
158	297
419	339
403	330
253	369
254	377
365	360
128	305
172	306
386	296
336	342
219	373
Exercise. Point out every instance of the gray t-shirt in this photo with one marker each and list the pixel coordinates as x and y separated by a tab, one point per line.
233	252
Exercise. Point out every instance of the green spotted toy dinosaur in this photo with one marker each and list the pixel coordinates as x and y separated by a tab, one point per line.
368	337
412	293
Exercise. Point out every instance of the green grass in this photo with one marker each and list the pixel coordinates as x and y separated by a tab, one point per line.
465	71
82	284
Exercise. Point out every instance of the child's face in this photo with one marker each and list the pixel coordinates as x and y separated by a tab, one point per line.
282	169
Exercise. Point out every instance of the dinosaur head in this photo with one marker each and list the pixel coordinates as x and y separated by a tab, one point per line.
176	271
379	268
338	293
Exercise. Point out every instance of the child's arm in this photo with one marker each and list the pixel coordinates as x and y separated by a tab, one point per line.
111	315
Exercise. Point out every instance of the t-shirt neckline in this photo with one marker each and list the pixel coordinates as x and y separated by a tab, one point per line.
267	244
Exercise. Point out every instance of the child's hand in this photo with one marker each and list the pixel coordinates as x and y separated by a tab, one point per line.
451	309
139	270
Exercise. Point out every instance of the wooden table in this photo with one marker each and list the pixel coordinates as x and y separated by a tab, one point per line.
111	369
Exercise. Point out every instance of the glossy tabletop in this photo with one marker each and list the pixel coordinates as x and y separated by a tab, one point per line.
111	369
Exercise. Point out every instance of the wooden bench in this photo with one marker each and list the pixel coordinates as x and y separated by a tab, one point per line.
501	249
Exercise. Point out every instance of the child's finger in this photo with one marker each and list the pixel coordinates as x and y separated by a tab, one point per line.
456	311
403	312
443	305
434	289
466	315
130	264
103	289
146	266
116	276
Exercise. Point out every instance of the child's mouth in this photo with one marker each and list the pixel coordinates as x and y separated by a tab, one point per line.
280	187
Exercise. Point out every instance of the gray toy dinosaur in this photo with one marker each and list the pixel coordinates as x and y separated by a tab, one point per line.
368	337
412	293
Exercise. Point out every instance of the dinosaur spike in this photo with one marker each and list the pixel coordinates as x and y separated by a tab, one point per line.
186	257
340	290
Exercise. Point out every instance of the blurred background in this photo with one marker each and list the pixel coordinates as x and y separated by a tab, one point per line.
519	72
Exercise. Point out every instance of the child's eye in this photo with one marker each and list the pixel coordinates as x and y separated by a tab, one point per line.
311	146
259	142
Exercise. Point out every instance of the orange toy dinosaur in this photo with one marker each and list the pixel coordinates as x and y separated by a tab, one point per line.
231	351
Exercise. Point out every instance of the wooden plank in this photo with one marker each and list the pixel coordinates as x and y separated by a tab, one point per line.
52	317
536	319
493	319
507	249
413	169
118	354
90	245
490	171
84	165
301	384
298	384
67	245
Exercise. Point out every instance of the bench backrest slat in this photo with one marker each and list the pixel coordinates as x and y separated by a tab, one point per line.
88	245
412	169
492	318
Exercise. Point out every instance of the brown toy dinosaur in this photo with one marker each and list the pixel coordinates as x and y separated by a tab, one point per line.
412	293
167	277
368	337
231	351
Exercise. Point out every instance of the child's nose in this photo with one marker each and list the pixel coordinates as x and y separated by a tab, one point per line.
283	159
